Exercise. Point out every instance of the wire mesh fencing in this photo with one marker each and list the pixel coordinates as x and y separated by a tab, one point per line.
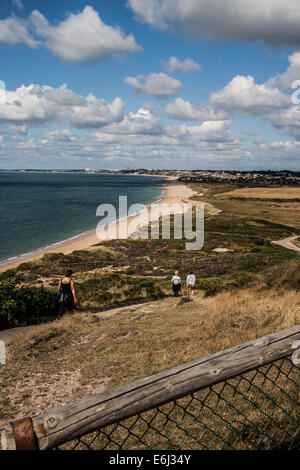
257	410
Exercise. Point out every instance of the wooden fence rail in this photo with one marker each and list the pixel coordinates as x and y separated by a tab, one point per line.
73	420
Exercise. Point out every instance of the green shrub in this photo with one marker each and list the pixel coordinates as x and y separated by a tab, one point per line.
97	292
21	306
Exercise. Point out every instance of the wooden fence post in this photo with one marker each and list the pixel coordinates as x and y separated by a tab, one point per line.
19	435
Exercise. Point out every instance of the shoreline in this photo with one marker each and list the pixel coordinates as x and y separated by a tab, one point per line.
171	194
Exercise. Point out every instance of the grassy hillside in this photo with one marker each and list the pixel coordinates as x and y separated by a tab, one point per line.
247	292
121	272
87	353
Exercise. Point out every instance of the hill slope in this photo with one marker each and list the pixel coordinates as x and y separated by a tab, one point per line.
87	353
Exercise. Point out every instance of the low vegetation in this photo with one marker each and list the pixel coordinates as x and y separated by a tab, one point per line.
249	291
20	306
86	353
121	272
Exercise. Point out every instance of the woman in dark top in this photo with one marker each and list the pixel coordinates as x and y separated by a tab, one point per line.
67	290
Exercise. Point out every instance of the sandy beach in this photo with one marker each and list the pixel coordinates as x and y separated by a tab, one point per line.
174	193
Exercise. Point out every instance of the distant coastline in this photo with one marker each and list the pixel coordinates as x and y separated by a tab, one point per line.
70	243
174	192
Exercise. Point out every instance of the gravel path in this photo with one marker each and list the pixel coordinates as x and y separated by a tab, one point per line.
9	335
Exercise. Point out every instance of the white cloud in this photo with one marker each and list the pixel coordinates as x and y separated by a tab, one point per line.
292	74
96	113
279	152
188	65
149	11
158	85
17	4
275	22
83	38
208	131
243	95
185	111
210	134
18	130
142	122
35	104
209	145
287	121
58	136
14	31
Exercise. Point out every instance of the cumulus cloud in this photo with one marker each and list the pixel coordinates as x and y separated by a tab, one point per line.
101	148
243	95
96	113
159	85
185	111
142	122
208	136
287	121
83	38
174	65
292	74
134	139
279	153
35	104
17	4
211	131
14	31
58	136
273	21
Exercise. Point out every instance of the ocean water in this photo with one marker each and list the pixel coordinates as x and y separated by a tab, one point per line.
41	209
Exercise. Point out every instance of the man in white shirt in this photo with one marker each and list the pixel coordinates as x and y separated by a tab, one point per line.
176	283
190	283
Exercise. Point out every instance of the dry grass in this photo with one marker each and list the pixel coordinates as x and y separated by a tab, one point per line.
235	203
297	242
86	353
265	193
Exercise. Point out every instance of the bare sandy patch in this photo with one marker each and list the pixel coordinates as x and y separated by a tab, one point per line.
223	250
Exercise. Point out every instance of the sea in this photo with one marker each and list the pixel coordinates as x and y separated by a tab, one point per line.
45	210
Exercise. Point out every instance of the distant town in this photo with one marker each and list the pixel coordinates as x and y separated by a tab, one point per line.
283	177
286	178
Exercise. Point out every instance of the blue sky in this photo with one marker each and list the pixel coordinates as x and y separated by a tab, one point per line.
149	83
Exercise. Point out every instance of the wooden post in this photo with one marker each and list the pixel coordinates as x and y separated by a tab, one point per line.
19	435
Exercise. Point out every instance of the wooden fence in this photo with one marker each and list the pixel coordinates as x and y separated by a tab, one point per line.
245	397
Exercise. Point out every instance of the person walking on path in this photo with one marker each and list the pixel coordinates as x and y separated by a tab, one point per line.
190	283
67	293
176	284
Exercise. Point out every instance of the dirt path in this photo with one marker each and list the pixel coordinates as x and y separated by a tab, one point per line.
9	335
212	210
287	243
